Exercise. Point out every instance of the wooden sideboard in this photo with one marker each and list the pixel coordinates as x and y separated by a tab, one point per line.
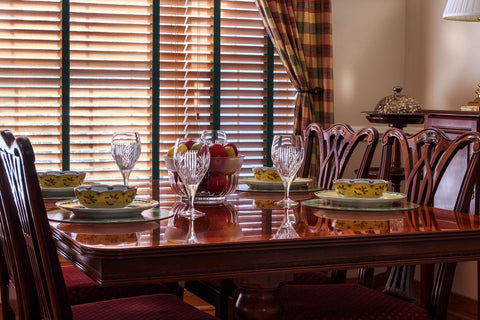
453	123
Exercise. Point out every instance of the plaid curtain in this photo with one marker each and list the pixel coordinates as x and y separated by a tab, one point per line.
301	31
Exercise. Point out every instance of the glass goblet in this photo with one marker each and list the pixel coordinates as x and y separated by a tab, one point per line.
191	159
287	157
126	148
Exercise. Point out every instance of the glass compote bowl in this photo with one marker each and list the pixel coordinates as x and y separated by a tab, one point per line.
191	165
214	136
287	157
126	148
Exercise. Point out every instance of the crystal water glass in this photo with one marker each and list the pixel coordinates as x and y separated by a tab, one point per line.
126	148
287	157
191	164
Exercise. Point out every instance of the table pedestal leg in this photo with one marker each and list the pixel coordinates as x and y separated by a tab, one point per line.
259	297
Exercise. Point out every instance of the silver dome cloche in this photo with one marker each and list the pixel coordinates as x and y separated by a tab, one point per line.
397	103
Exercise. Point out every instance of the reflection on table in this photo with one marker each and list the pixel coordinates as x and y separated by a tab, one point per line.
237	239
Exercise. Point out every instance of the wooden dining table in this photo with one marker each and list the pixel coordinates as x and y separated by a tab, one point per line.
240	238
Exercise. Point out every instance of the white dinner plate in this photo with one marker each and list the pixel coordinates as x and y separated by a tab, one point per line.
132	210
388	199
255	184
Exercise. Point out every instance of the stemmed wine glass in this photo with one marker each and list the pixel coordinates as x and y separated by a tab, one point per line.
287	157
126	148
191	164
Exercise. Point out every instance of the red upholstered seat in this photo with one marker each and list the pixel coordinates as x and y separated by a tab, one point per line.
150	307
82	289
345	301
311	278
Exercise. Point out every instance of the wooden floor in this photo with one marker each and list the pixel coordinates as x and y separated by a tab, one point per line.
460	308
195	301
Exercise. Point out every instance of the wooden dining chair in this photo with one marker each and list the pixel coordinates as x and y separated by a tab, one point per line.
36	286
336	146
427	155
80	288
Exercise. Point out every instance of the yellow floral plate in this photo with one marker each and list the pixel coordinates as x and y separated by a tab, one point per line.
259	185
132	210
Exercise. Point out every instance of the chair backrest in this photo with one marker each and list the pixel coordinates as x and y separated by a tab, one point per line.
335	148
25	227
426	157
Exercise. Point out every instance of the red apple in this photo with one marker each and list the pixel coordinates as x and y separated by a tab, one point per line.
215	182
217	150
203	150
218	156
189	144
234	147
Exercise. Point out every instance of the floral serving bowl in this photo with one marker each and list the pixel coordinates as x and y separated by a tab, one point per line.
266	174
220	180
61	179
364	188
105	196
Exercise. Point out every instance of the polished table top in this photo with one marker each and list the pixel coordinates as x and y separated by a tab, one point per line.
238	239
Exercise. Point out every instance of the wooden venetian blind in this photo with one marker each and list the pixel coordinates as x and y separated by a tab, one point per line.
244	82
30	75
110	84
283	99
205	55
186	78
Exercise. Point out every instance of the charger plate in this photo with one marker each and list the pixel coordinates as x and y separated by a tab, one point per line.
388	199
132	210
273	186
246	188
394	206
65	216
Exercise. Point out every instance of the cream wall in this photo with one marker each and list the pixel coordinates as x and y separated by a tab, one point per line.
368	55
442	67
378	44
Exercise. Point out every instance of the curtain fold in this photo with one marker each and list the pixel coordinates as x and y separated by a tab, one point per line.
301	31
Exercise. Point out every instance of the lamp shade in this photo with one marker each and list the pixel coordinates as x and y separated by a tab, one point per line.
462	10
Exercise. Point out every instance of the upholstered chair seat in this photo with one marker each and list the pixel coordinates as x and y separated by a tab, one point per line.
82	289
345	301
